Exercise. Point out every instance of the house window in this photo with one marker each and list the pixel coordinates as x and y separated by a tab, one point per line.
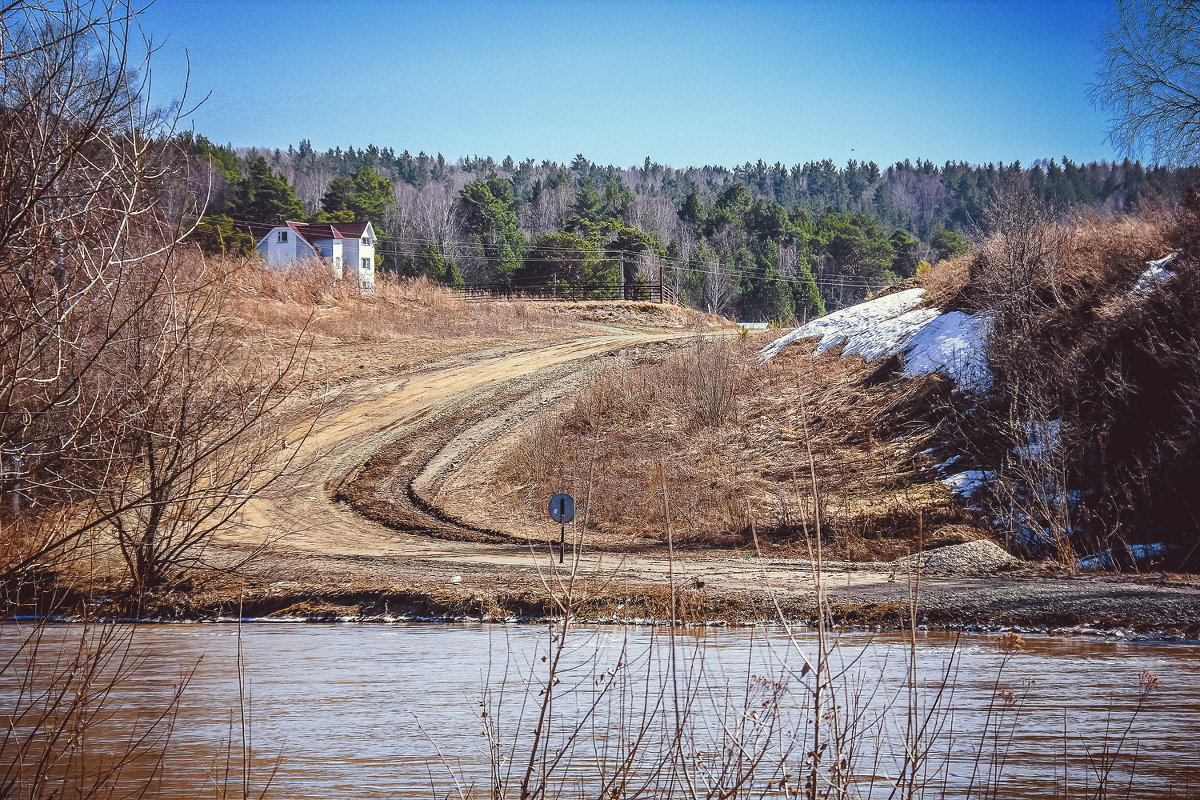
366	240
283	236
366	265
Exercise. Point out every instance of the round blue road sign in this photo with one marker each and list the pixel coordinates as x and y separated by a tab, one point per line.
562	508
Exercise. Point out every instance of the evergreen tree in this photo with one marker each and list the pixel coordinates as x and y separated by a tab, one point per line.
217	235
490	222
692	212
806	296
907	253
430	263
587	210
565	259
855	246
366	196
768	221
264	196
453	277
625	245
767	295
950	245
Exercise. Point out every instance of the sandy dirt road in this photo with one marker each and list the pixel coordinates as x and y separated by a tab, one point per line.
330	535
374	415
442	411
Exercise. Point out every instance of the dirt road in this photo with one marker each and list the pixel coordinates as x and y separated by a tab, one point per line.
368	517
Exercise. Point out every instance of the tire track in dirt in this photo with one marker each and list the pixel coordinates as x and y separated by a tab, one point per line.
368	453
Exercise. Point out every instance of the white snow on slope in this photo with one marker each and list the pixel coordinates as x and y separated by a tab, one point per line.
953	343
855	325
891	335
1156	272
965	484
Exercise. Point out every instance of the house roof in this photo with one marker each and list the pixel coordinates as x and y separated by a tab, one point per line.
328	230
309	231
257	230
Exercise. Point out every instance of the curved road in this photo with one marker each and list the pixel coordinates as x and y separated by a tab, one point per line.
321	543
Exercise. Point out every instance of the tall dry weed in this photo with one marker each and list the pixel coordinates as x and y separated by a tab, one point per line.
281	299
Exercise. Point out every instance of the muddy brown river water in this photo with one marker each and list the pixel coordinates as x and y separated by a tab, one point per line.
397	711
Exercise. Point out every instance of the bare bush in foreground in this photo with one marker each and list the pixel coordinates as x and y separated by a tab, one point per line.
201	431
128	403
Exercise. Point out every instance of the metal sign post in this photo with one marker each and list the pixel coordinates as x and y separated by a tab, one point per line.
562	511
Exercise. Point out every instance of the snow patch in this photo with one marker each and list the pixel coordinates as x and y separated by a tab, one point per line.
848	323
966	484
954	344
1030	534
889	336
1042	440
1105	559
1156	272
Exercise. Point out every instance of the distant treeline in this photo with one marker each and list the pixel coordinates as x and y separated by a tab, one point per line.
759	241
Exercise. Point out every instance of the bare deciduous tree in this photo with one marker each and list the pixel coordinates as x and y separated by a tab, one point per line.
1151	79
717	287
80	165
200	434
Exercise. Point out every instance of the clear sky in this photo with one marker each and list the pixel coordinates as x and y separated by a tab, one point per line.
683	83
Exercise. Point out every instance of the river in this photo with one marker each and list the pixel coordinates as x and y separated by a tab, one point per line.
401	711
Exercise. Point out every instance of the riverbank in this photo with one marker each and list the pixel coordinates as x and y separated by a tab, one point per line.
517	585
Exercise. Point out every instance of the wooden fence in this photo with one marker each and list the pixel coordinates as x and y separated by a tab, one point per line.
645	292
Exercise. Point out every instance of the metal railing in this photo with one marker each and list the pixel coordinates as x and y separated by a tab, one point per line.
647	292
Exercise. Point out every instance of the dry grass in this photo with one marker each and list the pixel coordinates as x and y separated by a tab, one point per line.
405	321
283	299
724	437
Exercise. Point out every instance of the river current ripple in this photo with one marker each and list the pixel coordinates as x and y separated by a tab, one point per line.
398	711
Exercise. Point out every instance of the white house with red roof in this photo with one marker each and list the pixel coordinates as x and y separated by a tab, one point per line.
348	247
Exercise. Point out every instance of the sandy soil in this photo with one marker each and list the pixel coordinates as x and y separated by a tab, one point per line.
388	505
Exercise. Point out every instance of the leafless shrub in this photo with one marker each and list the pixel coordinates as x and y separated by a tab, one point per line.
201	431
704	384
79	230
123	394
1086	420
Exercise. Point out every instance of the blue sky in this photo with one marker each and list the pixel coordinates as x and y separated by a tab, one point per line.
683	83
